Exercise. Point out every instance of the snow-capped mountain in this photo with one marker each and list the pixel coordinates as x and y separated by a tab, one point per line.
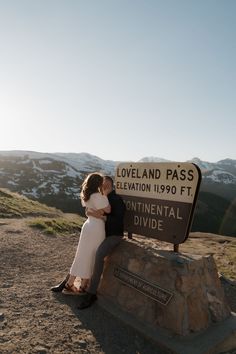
80	161
38	174
153	159
223	171
52	167
55	179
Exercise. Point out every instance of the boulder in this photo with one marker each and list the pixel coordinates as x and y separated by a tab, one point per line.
178	292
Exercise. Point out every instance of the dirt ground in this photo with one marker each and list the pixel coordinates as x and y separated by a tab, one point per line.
34	320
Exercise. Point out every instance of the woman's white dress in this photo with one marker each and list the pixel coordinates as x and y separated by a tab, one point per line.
91	236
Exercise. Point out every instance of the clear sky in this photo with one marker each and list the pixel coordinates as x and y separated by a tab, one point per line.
121	79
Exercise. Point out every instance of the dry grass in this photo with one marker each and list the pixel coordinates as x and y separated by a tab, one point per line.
223	249
68	223
14	205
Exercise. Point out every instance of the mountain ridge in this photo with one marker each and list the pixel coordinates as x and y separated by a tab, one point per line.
55	179
74	154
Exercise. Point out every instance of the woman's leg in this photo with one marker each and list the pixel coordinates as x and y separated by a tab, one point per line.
70	280
84	283
70	287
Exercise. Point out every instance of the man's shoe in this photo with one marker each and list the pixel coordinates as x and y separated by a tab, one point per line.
58	288
86	301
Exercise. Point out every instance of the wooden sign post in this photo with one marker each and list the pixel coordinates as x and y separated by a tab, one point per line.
160	198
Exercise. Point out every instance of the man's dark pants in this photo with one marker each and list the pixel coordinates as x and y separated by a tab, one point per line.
105	248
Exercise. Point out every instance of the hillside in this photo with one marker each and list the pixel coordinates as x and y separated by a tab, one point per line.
34	320
16	205
215	214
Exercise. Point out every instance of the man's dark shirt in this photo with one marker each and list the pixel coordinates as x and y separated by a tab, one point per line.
115	220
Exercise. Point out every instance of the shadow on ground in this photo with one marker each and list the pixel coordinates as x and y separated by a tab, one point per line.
112	334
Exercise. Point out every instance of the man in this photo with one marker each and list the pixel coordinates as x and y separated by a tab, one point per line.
114	227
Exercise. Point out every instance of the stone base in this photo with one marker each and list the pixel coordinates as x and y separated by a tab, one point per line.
217	339
179	294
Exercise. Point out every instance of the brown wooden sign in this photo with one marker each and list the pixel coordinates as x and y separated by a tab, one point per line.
160	198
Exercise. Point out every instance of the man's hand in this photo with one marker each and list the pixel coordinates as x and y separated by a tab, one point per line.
95	213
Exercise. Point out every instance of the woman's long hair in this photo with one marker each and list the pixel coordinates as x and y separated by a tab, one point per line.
92	184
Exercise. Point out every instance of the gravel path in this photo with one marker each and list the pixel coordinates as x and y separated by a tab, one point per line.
34	320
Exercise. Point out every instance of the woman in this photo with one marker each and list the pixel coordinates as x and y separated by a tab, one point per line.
92	233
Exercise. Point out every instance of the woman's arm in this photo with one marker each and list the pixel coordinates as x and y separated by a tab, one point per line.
101	211
100	204
106	210
98	213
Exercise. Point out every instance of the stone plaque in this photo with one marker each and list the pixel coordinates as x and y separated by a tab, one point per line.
160	198
149	289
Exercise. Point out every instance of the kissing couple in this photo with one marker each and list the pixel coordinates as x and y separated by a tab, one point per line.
100	234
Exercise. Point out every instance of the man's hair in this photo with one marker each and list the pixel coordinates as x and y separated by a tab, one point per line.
109	179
